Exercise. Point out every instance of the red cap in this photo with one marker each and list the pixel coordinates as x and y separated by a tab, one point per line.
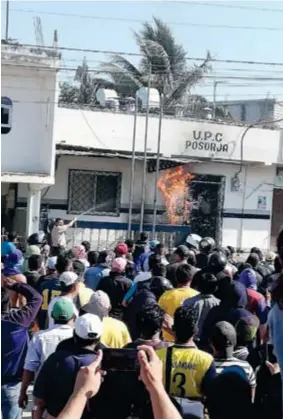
121	248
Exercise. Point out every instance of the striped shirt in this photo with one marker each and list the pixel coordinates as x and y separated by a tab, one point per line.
223	364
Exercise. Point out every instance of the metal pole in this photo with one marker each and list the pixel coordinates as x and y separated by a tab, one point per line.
214	98
145	152
7	20
133	169
157	164
240	240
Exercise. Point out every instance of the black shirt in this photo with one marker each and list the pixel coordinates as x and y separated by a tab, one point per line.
116	286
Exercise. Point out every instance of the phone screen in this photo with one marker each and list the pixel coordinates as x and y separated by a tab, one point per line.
120	360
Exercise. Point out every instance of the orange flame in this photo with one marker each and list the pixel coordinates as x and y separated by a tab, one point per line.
173	184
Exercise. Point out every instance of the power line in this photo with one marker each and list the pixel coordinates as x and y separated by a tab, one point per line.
101	71
121	19
229	6
135	54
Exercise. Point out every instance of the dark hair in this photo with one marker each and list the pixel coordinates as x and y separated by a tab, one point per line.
158	249
246	330
84	342
191	259
208	283
184	274
253	260
185	321
242	266
34	262
277	292
66	289
153	260
150	320
102	256
86	245
130	243
257	251
223	335
232	249
78	267
61	321
130	271
92	257
4	299
12	236
182	251
58	219
143	236
159	270
277	265
63	264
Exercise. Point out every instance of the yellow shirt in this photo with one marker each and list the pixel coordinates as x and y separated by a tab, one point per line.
173	299
189	367
115	333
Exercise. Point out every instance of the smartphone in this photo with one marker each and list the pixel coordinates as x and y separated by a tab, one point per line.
120	360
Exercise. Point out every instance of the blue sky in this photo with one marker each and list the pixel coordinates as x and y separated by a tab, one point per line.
223	43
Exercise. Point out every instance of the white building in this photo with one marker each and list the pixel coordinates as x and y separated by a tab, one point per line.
93	167
256	110
29	79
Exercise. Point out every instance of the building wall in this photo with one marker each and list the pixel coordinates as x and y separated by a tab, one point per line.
244	223
29	146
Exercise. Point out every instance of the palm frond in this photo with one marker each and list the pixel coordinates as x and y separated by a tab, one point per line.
120	65
190	78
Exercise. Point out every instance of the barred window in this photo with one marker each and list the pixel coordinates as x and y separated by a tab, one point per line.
98	193
6	115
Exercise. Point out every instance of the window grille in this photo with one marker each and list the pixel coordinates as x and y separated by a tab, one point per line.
98	193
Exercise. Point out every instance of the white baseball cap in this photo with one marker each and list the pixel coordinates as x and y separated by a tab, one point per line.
68	278
88	326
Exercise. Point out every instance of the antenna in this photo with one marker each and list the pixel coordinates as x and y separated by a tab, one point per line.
38	31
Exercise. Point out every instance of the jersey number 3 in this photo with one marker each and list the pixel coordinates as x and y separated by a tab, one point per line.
180	380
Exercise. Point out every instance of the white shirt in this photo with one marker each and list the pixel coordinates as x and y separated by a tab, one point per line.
58	236
51	305
43	344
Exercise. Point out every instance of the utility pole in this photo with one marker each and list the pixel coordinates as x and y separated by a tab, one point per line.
133	168
157	165
145	152
7	20
214	98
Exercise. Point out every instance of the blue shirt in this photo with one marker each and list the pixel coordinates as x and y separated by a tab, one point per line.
94	274
7	248
56	379
14	334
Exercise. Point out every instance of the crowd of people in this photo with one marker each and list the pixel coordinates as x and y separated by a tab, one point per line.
137	332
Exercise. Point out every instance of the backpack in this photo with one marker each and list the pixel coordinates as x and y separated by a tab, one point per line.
189	409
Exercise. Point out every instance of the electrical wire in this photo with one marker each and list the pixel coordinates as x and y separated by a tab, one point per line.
122	19
229	6
136	54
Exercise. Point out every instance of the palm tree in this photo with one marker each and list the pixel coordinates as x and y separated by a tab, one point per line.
163	58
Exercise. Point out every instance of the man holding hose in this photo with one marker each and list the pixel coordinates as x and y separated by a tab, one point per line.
58	235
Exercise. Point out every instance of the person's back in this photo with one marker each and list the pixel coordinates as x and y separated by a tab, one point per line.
56	379
49	289
115	333
187	371
174	298
98	269
116	286
8	246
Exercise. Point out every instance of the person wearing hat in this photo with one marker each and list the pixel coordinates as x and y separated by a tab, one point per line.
13	270
223	340
116	286
179	257
44	343
121	250
115	333
69	282
8	246
55	381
